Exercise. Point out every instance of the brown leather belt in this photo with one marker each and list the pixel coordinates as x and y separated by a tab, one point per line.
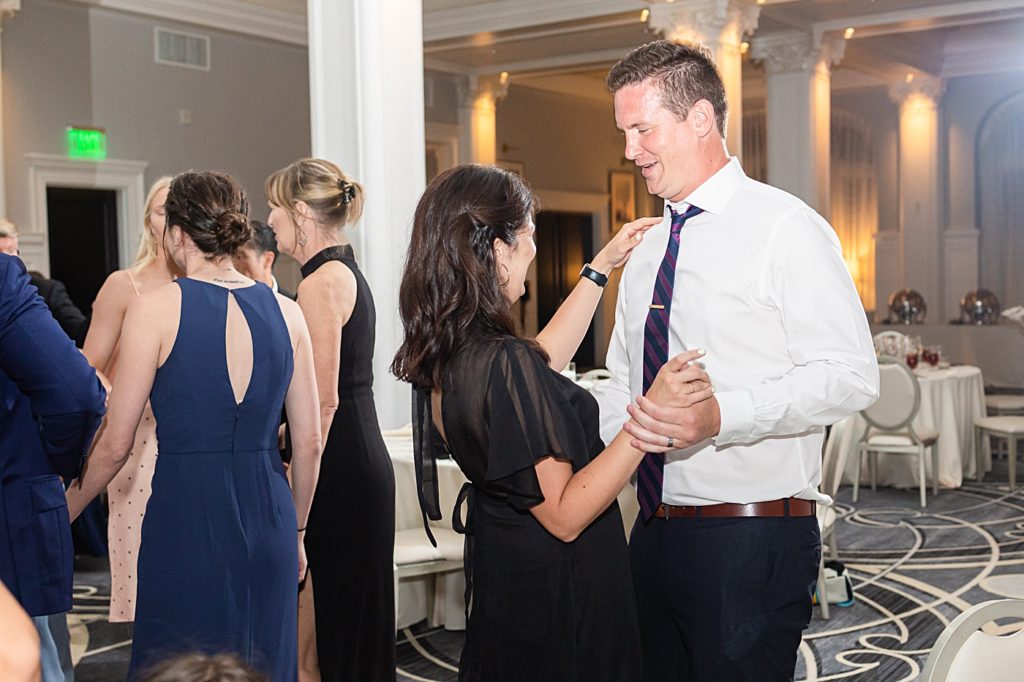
790	506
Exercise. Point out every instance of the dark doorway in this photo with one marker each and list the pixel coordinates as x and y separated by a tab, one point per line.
564	244
83	240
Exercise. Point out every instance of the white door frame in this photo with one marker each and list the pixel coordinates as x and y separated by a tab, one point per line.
127	178
443	138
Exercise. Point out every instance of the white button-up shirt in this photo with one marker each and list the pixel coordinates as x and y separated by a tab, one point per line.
761	284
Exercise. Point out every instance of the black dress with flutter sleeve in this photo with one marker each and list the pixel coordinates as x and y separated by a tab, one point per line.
542	609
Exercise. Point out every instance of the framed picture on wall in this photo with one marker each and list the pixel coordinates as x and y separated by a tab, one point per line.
622	188
514	166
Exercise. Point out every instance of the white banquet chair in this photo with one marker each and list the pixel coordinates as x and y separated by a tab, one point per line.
1010	428
890	428
889	343
833	461
999	405
415	556
964	653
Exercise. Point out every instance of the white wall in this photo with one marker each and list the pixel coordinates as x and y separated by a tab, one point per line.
69	64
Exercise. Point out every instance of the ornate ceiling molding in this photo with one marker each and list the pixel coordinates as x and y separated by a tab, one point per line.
921	86
233	16
705	21
473	89
797	51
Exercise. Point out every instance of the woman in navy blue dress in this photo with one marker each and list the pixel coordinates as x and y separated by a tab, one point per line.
217	355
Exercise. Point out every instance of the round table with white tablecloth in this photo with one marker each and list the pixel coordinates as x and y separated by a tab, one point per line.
951	399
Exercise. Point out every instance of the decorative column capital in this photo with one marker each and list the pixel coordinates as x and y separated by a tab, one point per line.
473	89
8	8
917	87
797	51
706	22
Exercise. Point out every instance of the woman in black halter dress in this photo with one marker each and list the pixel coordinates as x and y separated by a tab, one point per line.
351	532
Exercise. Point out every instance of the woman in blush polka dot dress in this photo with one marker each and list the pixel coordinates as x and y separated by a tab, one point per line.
128	493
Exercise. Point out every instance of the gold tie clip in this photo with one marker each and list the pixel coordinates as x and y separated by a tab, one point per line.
656	306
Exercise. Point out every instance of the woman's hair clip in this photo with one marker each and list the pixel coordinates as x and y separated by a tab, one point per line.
348	191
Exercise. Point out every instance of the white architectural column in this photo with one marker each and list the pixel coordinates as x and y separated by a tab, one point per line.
720	25
889	275
960	256
478	102
7	8
920	189
798	65
366	106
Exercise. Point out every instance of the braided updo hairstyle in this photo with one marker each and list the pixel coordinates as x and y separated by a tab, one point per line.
212	209
335	198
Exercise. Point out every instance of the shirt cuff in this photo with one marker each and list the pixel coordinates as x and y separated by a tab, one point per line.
737	417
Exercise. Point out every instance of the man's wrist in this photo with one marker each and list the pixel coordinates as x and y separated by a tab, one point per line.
735	417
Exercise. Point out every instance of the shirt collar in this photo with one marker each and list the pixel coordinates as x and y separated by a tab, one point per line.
714	193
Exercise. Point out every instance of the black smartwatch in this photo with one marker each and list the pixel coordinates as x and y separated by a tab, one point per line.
593	275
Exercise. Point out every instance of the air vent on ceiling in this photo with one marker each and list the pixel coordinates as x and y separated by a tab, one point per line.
178	48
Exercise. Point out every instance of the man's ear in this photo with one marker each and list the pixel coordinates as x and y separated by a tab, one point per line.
702	118
267	258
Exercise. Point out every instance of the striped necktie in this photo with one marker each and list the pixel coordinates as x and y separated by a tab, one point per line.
650	474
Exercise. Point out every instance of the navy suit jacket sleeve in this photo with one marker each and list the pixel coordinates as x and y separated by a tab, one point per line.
65	395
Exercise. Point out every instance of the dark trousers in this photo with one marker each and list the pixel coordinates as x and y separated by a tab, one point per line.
723	600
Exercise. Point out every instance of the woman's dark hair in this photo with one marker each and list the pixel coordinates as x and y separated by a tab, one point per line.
451	293
212	209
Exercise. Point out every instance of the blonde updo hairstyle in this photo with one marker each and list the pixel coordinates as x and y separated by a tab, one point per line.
212	209
335	199
147	245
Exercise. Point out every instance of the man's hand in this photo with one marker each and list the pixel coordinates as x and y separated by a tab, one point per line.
679	410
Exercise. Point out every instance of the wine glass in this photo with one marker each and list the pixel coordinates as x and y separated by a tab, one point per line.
912	358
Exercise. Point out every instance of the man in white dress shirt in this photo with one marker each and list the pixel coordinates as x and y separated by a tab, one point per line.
724	568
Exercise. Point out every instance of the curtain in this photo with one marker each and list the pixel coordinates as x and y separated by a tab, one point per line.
854	199
854	192
755	141
1000	164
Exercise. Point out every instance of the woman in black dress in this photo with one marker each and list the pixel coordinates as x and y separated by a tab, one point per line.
552	597
351	534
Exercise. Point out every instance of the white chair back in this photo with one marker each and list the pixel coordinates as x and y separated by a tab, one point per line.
833	462
889	343
899	397
963	653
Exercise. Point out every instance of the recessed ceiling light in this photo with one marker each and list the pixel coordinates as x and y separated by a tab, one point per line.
848	33
644	13
744	46
910	78
504	77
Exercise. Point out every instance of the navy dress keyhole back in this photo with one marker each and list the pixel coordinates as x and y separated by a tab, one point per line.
218	564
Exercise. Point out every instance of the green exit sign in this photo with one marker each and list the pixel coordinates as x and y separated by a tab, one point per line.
87	143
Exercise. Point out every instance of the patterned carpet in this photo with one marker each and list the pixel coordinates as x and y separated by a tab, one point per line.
913	571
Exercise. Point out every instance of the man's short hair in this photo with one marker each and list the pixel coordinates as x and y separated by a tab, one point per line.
263	239
684	73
